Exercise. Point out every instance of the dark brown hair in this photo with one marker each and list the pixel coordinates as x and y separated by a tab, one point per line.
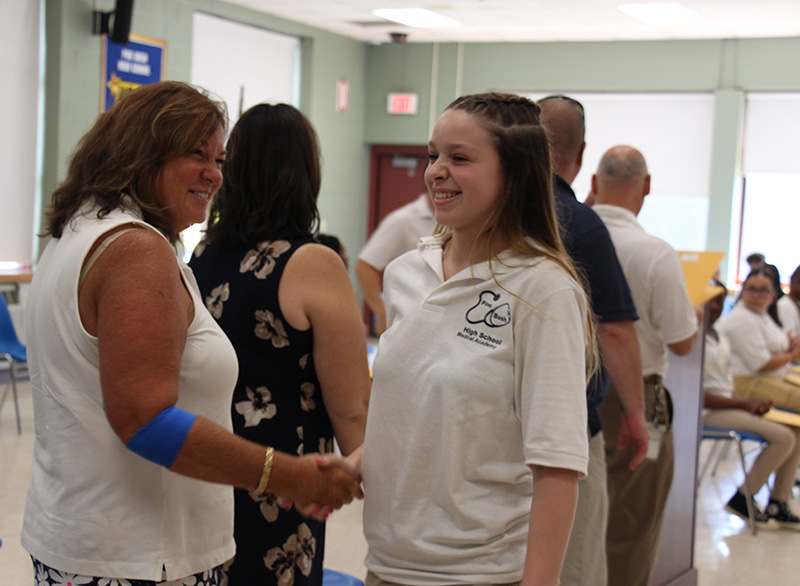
123	153
271	179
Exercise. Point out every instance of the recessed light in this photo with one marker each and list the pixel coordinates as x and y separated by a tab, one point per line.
417	17
661	14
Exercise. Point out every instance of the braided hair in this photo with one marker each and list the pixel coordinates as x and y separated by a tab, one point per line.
525	217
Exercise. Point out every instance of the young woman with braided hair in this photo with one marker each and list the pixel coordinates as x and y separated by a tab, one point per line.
476	433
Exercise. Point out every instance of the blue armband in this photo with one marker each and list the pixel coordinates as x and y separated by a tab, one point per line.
162	438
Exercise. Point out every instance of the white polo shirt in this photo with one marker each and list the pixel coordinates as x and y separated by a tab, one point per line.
472	385
655	277
398	233
717	378
789	314
753	338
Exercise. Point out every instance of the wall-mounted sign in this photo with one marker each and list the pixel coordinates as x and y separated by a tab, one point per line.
126	67
402	103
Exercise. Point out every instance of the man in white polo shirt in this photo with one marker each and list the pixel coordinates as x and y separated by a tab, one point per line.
397	233
666	320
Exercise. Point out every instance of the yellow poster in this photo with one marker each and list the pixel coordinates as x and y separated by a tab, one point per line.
698	268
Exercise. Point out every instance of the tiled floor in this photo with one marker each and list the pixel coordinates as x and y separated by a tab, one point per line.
726	554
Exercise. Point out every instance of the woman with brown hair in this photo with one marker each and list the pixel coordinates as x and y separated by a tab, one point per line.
722	408
131	378
760	351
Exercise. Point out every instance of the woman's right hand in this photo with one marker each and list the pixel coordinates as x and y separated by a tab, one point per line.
351	465
306	483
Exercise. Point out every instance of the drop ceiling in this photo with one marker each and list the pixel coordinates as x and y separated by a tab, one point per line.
539	20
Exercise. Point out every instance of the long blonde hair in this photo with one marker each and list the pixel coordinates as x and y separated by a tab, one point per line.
525	218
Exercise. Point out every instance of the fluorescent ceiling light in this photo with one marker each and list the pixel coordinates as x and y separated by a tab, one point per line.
663	14
416	17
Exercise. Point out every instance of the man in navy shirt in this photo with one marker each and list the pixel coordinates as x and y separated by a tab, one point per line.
589	245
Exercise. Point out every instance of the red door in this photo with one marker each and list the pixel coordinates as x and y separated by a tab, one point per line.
397	177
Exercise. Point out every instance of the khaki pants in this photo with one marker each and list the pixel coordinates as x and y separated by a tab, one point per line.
585	562
782	454
637	498
786	395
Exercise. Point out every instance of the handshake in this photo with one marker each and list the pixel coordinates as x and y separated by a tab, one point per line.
319	484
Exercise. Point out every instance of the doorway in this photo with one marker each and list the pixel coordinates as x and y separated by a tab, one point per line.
397	177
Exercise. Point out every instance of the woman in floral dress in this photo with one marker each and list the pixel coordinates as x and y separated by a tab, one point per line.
287	305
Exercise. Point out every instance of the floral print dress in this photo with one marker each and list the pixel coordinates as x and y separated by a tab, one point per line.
47	576
277	402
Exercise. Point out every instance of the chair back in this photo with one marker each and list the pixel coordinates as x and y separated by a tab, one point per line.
9	342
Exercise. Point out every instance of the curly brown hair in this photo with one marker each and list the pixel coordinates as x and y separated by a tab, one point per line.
123	153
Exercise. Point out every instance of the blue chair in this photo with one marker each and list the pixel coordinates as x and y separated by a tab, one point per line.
730	435
13	352
334	578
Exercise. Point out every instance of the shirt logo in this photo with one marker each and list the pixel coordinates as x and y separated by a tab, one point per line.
487	312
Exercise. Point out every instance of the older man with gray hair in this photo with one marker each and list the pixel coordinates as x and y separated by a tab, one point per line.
667	320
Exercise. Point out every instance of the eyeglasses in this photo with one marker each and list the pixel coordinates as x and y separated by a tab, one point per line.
756	291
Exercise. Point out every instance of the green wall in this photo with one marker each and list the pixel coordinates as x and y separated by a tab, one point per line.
726	68
437	72
72	100
448	70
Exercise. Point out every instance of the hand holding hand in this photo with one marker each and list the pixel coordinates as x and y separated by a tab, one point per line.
351	465
330	487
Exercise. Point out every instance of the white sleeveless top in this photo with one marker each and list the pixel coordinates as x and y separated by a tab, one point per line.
94	507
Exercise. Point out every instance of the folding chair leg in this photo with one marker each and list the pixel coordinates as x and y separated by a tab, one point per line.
712	453
12	386
16	399
723	453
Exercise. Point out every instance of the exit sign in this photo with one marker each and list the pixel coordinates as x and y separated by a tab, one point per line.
402	103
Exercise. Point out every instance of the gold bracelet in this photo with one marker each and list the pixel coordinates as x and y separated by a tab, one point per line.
269	458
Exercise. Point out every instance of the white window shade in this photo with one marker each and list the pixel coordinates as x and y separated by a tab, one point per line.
674	133
242	64
771	141
19	99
